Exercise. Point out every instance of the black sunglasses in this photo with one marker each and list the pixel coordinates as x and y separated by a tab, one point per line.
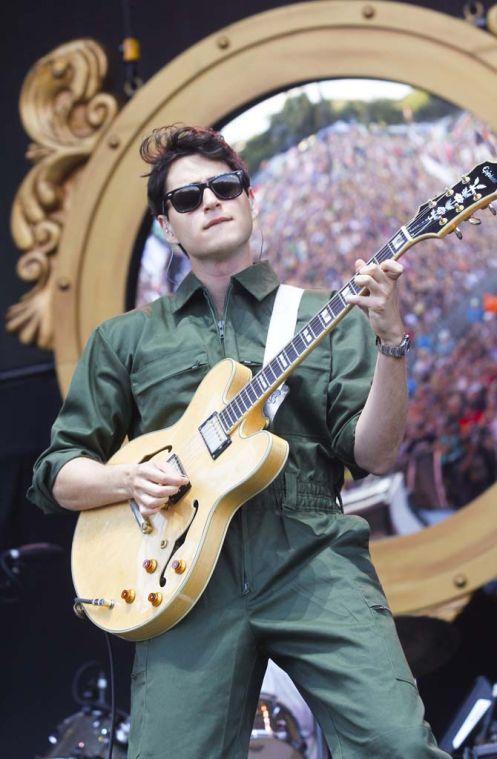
224	186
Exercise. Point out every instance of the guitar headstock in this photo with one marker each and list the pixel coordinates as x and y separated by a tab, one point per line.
456	204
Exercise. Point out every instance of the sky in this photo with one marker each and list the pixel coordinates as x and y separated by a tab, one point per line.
256	120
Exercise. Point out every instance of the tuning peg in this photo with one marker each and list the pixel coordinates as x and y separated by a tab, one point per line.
458	233
492	209
475	220
465	179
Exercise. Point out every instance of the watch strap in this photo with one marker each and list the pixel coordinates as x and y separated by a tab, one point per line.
395	351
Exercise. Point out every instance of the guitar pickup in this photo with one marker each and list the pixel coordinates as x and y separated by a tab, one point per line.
214	436
178	466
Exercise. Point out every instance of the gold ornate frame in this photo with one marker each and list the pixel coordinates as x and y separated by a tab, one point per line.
430	572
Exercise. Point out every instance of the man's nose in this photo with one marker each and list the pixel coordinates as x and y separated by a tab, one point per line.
210	199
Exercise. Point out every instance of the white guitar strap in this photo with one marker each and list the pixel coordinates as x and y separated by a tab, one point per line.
280	332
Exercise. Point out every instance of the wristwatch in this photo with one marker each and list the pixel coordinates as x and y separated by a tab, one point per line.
395	351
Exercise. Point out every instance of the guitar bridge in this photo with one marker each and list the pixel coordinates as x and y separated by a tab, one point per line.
176	463
214	436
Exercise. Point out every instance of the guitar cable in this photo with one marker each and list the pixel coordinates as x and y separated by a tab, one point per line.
112	695
81	614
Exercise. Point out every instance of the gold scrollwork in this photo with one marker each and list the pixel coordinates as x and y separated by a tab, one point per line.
64	112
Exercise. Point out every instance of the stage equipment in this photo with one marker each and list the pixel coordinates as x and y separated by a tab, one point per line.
478	705
284	727
474	12
88	733
131	53
489	750
139	576
276	733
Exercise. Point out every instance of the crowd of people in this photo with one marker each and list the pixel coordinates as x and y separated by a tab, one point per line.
341	194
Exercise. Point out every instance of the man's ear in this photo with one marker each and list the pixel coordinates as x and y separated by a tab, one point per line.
167	230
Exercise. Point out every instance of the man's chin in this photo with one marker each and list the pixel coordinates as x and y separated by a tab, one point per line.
218	253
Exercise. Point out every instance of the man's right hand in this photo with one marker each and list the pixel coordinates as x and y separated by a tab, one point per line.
84	483
150	485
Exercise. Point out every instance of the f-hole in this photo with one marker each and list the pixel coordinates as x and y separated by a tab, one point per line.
177	544
166	449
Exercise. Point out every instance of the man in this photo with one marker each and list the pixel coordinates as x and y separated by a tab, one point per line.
294	581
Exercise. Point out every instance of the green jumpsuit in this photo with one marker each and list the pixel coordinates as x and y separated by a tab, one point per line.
294	581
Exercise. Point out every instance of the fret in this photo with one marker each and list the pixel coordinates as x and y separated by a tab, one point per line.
256	388
237	403
299	343
380	256
316	326
251	392
352	285
230	414
344	292
282	359
275	367
267	369
307	335
291	349
245	398
325	317
397	242
262	381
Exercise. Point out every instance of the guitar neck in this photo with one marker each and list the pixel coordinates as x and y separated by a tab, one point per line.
265	382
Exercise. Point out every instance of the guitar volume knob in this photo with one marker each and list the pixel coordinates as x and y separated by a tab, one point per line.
150	565
179	566
155	598
128	595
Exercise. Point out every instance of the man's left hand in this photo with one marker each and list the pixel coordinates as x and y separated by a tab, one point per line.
380	302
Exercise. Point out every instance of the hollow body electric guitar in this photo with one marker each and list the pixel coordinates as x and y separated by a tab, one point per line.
137	577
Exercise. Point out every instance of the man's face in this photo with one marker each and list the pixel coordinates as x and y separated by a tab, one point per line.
195	230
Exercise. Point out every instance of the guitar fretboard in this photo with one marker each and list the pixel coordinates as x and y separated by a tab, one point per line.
260	387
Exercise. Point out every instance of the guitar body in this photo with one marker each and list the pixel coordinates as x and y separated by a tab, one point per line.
109	547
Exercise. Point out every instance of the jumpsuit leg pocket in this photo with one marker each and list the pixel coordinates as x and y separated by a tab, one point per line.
387	634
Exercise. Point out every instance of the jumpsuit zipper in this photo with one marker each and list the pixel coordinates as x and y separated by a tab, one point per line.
220	323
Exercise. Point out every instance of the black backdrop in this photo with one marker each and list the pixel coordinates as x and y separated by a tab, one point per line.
41	642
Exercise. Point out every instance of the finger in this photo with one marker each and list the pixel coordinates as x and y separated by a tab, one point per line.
167	468
149	511
392	269
365	302
157	491
374	271
153	473
149	506
369	282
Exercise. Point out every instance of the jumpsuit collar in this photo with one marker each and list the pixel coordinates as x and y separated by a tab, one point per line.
259	280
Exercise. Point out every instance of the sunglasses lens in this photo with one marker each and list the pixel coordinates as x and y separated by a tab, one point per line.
227	186
186	199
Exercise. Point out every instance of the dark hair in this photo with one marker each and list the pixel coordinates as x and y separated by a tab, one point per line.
168	143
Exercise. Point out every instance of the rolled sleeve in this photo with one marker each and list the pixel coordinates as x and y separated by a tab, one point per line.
353	361
93	421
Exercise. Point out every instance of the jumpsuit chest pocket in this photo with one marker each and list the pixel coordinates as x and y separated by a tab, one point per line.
164	387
